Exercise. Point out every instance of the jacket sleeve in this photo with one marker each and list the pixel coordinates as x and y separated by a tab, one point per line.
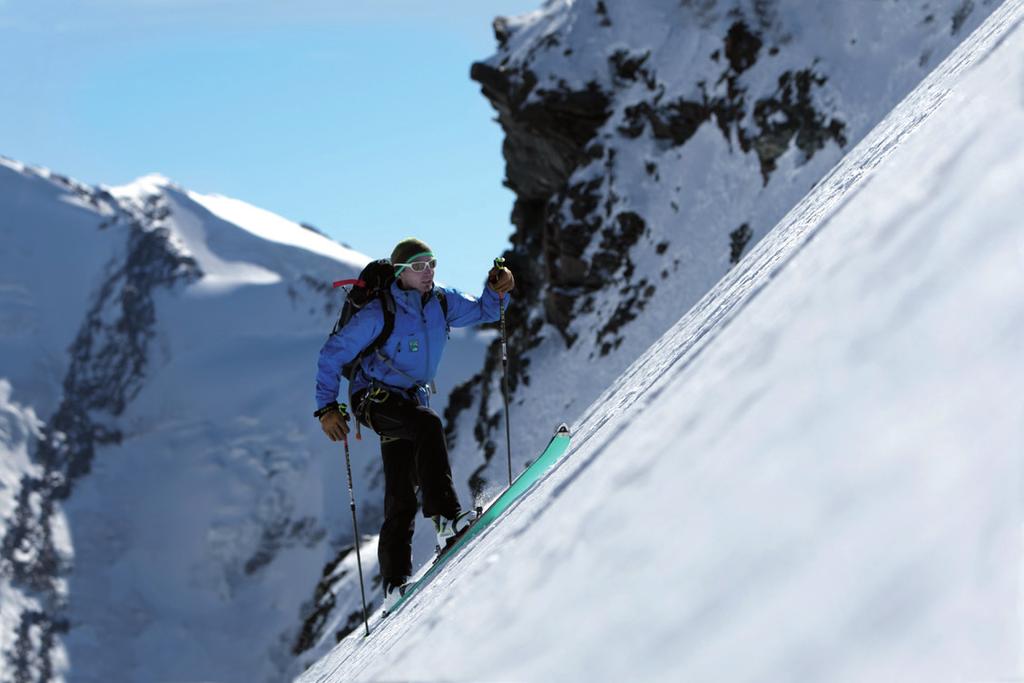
342	347
466	310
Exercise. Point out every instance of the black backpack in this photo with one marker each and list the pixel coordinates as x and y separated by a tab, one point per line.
374	282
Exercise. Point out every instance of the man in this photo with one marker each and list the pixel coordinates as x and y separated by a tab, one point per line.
390	393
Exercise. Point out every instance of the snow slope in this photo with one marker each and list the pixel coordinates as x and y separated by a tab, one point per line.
816	473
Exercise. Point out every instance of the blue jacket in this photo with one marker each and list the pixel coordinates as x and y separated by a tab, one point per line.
414	347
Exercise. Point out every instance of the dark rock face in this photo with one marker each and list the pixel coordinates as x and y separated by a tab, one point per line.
545	134
782	117
789	115
551	133
960	16
738	240
107	369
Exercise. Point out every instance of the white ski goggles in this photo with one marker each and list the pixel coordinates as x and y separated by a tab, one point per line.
417	266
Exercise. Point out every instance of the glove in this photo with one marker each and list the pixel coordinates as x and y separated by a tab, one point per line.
500	280
335	423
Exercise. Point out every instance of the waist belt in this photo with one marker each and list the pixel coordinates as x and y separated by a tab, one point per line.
378	393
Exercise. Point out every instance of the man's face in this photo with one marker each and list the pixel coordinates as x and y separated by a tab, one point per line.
421	281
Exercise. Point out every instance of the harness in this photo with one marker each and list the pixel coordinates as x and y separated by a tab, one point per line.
379	393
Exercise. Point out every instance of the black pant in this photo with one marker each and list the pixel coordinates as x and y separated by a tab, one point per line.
415	452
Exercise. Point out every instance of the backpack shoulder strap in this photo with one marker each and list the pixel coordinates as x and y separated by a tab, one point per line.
388	319
442	298
387	309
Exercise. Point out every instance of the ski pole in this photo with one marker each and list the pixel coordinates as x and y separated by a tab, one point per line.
500	263
355	528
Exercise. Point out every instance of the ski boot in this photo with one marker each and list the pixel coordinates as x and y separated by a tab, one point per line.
448	530
393	592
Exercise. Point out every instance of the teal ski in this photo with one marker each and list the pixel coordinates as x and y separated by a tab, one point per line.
555	449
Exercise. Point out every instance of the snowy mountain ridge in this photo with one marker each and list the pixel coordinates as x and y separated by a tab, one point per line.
814	475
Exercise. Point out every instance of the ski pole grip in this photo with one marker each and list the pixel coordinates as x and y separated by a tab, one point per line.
499	262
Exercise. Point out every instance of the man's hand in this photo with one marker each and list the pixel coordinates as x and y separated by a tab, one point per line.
335	425
500	280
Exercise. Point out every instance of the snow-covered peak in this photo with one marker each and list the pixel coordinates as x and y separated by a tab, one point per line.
255	220
274	228
232	240
143	186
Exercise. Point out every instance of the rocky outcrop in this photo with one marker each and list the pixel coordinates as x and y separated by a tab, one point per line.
548	136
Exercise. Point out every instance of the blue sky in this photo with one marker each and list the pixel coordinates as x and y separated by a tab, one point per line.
355	116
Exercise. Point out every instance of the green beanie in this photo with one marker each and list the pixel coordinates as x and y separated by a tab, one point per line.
410	248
